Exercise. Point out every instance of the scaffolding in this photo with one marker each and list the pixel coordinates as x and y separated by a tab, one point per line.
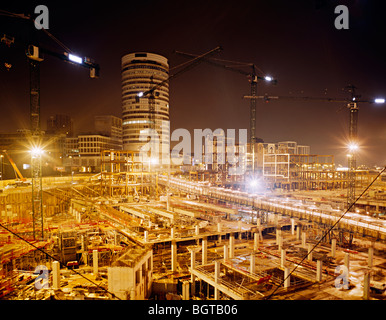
122	175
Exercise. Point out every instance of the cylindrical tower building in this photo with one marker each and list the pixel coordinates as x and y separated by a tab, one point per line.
142	71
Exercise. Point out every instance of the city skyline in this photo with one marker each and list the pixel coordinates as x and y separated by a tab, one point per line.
297	44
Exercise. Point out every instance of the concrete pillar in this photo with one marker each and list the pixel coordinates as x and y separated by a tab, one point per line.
256	241
146	236
95	261
172	233
226	252
319	265
278	235
197	230
204	250
333	248
218	226
276	219
370	257
298	230
310	246
292	226
174	256
304	239
231	246
216	278
252	263
366	285
133	294
185	290
282	258
287	281
347	262
192	276
55	275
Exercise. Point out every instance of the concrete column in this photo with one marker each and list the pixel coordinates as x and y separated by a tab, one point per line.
231	246
174	255
304	239
347	262
226	252
278	235
146	236
370	257
56	275
216	278
133	294
197	230
252	263
95	261
218	226
204	250
309	251
185	290
192	276
282	258
292	226
366	285
256	241
276	219
172	233
298	230
333	248
288	280
319	265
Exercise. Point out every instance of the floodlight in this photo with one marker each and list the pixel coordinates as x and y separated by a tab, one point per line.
379	100
268	78
75	58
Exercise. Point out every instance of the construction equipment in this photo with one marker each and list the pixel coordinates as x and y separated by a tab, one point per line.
15	168
35	54
253	78
352	105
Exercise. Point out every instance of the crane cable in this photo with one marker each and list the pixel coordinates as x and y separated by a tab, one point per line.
330	229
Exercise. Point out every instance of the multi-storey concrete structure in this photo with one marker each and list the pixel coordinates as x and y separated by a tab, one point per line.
141	72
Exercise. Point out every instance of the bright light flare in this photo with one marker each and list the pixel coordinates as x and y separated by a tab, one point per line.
353	147
75	58
253	183
268	78
140	94
36	151
379	100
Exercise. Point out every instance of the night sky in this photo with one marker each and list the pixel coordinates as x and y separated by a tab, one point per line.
293	41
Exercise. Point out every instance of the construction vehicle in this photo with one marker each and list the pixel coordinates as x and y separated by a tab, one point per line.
20	180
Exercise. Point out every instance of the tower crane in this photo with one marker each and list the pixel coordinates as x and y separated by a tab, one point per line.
253	78
35	54
352	106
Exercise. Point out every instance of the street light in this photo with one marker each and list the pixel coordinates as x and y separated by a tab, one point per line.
379	100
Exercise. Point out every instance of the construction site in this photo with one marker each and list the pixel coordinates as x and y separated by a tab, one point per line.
280	223
130	233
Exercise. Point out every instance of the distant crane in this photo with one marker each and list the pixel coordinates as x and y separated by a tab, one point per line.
34	52
253	78
352	105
